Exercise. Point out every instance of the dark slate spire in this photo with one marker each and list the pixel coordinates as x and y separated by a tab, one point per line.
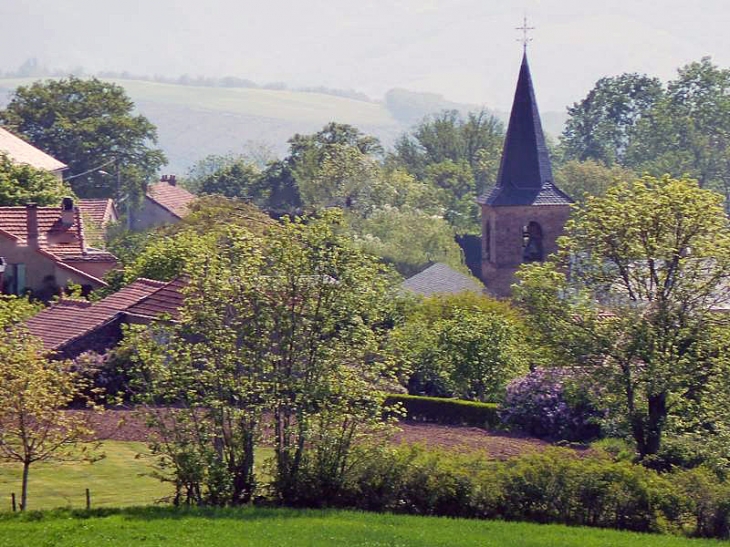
525	175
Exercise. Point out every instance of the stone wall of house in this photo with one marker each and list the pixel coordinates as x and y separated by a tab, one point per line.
38	268
503	243
151	214
99	340
97	269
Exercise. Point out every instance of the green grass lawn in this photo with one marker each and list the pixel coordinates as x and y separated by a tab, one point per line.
123	478
161	527
120	479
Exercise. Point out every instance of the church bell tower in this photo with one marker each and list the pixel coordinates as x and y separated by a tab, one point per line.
524	213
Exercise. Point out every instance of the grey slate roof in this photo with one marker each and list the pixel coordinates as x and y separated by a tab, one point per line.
548	194
525	174
441	279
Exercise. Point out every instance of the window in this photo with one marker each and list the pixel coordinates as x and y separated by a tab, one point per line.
532	250
14	279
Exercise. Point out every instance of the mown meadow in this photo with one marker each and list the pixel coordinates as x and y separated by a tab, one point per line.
263	527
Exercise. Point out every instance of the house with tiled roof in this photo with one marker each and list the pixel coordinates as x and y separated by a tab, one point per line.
71	327
23	153
165	203
98	212
440	278
46	248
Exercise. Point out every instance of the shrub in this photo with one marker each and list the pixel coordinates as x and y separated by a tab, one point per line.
545	403
447	411
466	346
555	486
619	450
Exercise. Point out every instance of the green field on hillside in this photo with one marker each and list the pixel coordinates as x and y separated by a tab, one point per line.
194	121
163	527
292	106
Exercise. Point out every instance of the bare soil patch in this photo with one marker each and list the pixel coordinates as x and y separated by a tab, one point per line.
128	425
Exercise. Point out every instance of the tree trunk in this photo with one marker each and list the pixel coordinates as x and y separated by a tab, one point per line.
655	424
24	490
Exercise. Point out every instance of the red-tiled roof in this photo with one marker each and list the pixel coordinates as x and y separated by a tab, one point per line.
63	243
68	320
171	197
53	235
98	211
166	301
69	267
24	153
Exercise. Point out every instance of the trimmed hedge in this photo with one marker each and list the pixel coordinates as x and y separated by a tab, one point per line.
554	486
447	411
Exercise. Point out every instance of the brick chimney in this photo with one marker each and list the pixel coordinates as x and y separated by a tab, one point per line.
169	179
31	218
67	212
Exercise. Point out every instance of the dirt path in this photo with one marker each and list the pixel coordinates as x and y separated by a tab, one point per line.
126	425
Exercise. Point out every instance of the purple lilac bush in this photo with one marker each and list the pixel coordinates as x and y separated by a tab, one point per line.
547	403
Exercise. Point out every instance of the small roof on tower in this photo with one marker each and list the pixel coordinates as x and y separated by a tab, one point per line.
525	175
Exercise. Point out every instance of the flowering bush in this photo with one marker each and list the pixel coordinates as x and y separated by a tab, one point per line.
548	403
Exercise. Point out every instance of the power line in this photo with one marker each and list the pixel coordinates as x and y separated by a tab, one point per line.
92	170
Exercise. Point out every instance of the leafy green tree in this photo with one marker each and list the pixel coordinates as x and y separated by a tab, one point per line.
167	252
476	140
343	178
648	265
90	125
256	154
320	324
14	309
34	426
457	157
464	345
407	238
601	126
237	180
280	190
21	184
688	130
324	169
288	322
455	188
680	129
580	179
333	166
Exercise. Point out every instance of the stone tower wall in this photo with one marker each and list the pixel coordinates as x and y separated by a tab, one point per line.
502	241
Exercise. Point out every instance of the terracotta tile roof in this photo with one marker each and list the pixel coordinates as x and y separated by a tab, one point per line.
170	197
441	279
22	152
98	211
62	243
166	301
69	267
52	233
92	255
68	320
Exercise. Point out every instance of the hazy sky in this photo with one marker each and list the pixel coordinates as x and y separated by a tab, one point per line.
464	49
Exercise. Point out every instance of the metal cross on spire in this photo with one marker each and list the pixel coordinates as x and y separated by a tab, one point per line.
524	28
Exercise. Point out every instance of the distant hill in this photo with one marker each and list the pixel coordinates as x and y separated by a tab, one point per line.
194	121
